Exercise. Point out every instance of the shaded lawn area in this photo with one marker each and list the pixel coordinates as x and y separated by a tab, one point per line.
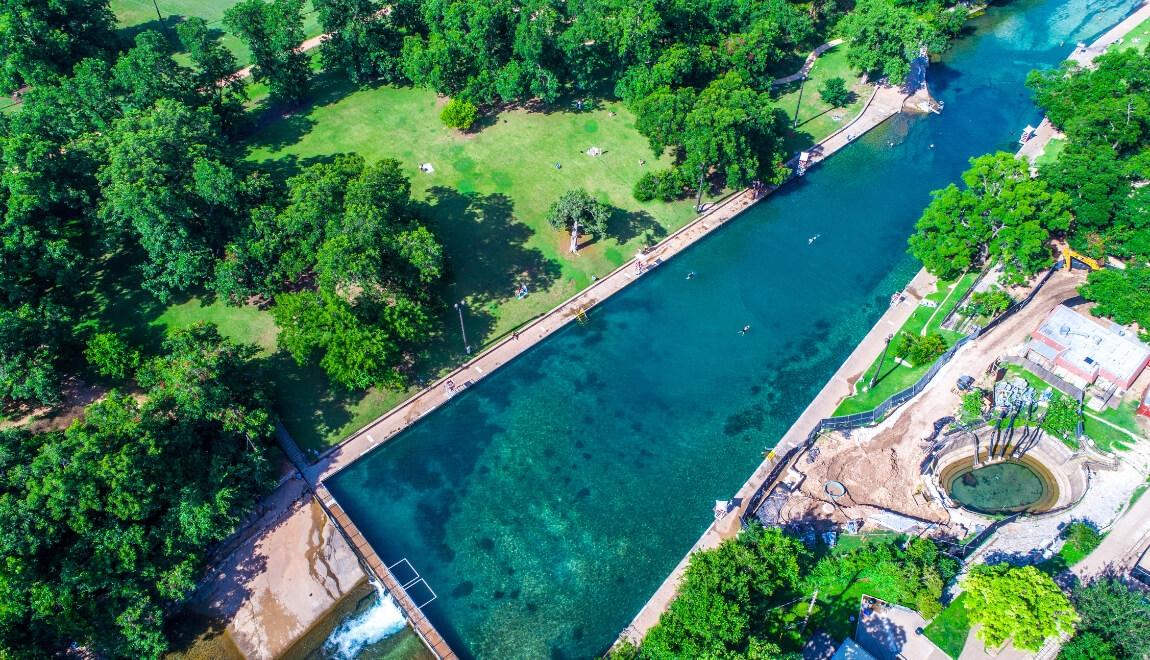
896	376
487	200
816	117
950	628
135	16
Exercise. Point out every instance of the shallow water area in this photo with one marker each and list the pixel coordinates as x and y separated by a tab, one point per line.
544	505
998	488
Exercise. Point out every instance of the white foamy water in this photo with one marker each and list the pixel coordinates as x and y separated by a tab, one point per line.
380	621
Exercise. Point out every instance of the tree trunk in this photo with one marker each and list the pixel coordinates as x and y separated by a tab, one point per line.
575	237
699	195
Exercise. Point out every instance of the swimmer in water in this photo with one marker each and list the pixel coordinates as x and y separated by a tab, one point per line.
812	239
690	274
745	330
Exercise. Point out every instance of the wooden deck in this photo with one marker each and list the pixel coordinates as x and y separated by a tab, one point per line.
379	570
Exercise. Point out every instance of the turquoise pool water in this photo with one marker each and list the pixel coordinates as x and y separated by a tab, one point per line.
546	504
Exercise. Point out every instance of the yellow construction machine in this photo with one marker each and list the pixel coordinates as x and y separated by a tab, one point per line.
1069	255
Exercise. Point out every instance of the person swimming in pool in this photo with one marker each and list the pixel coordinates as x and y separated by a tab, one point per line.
690	274
745	330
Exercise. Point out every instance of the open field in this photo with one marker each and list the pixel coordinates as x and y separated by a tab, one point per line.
1050	152
817	119
1138	38
138	15
897	376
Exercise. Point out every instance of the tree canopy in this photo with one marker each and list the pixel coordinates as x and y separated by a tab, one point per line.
578	212
105	523
1117	616
1002	214
273	30
1021	604
40	40
887	35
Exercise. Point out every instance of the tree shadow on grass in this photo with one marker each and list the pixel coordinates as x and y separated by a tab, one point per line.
310	406
626	225
486	246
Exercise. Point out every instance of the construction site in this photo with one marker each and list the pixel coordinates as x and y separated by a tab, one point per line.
931	468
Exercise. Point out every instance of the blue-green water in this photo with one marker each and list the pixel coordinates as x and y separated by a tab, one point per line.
1008	486
546	504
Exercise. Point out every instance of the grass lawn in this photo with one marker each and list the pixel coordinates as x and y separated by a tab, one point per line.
1139	37
138	15
896	376
1050	152
949	629
817	118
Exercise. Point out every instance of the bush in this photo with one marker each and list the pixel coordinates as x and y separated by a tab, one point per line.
834	91
920	349
1061	418
459	113
1081	540
111	355
647	187
1087	646
972	405
988	303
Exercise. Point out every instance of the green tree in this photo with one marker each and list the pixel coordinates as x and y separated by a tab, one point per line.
215	71
1002	215
363	42
1117	613
835	92
1122	295
106	524
1022	604
31	344
724	596
111	355
1082	537
920	349
360	343
736	131
273	30
988	303
578	212
459	113
41	40
886	36
1087	646
169	184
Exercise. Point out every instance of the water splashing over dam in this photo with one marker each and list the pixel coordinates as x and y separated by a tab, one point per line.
380	621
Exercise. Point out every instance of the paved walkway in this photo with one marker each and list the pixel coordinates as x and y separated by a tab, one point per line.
1085	56
1119	551
884	103
810	62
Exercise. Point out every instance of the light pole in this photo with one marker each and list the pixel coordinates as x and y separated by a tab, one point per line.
882	358
463	330
802	83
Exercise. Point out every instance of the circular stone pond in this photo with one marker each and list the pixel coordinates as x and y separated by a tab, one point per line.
1004	487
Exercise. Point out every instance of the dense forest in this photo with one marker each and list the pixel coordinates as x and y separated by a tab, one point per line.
1094	195
123	176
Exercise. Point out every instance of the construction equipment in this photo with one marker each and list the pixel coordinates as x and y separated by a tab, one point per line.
1069	255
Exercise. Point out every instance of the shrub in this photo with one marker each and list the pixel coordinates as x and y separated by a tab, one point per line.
647	187
988	303
459	113
972	405
1081	540
1061	418
111	355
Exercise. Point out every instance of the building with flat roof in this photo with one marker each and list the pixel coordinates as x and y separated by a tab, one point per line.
1089	349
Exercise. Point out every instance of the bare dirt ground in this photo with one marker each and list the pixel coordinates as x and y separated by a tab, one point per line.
881	466
282	579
